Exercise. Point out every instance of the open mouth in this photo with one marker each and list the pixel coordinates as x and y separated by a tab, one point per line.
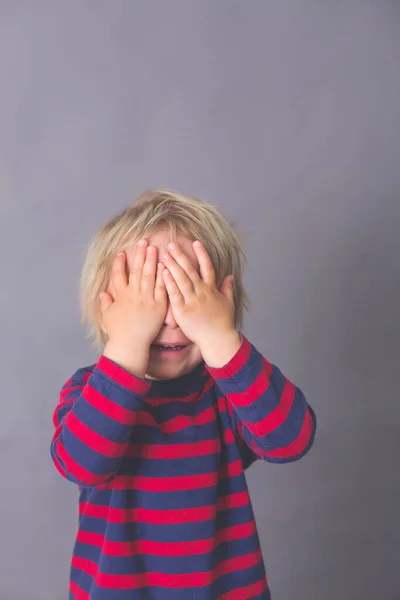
168	348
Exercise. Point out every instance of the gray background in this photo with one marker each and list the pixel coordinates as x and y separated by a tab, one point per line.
285	115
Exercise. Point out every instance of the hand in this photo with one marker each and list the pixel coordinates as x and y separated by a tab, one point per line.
133	315
204	313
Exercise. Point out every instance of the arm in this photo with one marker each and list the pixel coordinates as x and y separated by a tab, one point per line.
94	421
268	413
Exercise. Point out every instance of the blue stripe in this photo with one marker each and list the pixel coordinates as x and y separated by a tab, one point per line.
224	584
286	432
142	563
237	580
307	448
101	423
162	501
117	394
89	459
120	532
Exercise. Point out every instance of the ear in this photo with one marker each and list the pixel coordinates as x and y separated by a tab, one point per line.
106	301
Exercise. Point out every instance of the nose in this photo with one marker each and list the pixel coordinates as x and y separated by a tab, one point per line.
169	318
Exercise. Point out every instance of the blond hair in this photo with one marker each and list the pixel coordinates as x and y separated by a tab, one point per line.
177	214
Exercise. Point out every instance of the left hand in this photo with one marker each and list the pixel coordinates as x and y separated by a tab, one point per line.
205	314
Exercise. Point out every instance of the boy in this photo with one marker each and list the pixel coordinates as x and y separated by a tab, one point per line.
158	433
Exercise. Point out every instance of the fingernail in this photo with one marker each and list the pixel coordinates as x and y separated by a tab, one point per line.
167	256
197	243
173	246
142	243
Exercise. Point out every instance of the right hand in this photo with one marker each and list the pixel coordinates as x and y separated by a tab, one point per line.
133	315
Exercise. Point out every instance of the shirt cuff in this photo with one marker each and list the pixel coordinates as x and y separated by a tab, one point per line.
121	376
236	363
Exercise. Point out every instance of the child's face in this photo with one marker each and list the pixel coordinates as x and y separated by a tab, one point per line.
171	364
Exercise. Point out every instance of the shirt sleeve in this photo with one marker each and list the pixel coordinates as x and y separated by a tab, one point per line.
94	421
269	414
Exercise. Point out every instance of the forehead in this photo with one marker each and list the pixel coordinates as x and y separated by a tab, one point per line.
160	240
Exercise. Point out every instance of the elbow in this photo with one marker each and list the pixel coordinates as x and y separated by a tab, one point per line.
70	470
299	447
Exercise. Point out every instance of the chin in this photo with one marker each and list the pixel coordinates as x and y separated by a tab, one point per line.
172	368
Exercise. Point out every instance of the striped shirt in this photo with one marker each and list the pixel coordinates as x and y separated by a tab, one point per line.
164	507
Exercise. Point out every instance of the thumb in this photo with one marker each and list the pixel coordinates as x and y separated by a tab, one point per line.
227	287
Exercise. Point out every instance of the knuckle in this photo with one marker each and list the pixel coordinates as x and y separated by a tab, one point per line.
146	277
191	271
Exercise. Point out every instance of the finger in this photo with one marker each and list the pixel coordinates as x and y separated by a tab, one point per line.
185	263
160	291
174	293
118	279
180	277
227	288
135	273
207	270
149	271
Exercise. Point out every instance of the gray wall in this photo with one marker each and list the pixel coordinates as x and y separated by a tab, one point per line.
286	115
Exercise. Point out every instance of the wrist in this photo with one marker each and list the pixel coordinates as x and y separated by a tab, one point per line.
134	360
219	351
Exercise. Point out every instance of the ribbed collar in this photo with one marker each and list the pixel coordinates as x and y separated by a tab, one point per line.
181	386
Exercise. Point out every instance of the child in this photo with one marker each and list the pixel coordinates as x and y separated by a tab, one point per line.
158	433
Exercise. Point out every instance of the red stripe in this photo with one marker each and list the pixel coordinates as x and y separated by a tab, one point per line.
247	592
159	400
181	581
66	391
76	470
108	407
189	399
228	436
78	592
238	563
164	517
67	388
235	364
91	438
177	549
144	417
171	451
178	423
173	484
121	376
56	420
277	416
299	444
254	391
